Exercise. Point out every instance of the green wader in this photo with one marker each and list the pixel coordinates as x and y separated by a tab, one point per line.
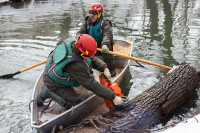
46	93
71	99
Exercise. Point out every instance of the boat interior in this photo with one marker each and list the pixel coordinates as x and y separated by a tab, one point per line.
52	109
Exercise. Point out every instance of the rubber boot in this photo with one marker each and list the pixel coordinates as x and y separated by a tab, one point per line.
46	93
42	95
112	72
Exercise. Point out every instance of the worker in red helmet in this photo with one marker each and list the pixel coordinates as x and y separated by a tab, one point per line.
70	65
100	28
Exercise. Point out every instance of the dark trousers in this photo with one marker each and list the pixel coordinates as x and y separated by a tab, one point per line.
68	93
107	58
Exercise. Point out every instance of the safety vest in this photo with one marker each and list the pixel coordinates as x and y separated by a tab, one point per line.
58	59
97	31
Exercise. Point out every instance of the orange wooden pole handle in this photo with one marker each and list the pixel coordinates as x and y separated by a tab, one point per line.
137	59
35	65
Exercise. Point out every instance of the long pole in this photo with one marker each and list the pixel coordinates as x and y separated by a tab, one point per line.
137	59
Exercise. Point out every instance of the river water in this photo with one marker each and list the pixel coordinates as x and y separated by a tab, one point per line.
166	32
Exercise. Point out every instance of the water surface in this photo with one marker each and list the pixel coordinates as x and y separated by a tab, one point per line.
166	32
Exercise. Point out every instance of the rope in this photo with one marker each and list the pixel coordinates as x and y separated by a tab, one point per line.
97	121
140	64
92	120
29	105
45	108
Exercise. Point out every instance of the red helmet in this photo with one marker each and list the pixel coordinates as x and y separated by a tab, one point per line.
96	7
86	45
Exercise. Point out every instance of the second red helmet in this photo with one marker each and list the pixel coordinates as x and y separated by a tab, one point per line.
86	45
96	7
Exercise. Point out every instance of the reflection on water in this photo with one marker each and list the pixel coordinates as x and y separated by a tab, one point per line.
166	32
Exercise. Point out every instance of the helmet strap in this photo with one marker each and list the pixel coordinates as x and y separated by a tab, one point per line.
81	54
98	14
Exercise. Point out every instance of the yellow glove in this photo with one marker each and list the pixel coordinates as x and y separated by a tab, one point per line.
105	49
118	100
107	73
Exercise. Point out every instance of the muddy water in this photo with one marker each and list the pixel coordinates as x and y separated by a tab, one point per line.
166	32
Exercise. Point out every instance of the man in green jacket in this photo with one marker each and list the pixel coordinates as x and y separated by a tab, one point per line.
100	28
70	65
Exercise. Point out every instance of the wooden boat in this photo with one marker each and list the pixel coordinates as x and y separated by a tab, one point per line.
50	121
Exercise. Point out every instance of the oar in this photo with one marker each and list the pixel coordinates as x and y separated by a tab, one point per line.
7	76
137	59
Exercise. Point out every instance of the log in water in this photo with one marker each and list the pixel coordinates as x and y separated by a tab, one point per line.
159	100
152	105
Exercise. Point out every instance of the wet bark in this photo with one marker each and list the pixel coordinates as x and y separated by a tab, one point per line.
156	102
148	108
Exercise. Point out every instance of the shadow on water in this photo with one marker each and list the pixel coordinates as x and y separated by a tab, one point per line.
181	114
164	40
189	108
167	42
184	111
17	4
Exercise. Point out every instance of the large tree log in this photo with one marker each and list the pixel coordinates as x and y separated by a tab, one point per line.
158	101
152	105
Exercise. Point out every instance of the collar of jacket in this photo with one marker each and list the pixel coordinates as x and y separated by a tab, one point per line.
75	54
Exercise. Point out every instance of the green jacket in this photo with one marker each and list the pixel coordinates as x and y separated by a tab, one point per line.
107	31
80	72
59	58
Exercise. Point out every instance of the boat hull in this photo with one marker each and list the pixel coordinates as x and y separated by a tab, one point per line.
77	113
